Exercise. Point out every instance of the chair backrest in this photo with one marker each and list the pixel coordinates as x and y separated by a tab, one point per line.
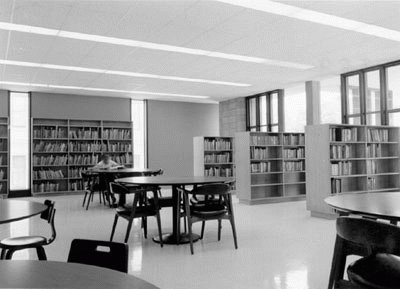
105	254
49	215
212	189
375	236
116	188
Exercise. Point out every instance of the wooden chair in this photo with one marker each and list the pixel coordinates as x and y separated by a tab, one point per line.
91	185
12	244
209	208
105	254
364	237
141	208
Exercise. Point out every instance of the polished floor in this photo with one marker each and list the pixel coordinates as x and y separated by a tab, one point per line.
280	246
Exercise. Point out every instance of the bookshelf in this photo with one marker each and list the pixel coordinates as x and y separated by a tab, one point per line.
270	167
4	157
63	148
213	156
350	159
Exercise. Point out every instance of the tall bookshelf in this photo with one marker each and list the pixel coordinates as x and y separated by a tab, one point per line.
270	167
350	159
213	156
4	157
63	148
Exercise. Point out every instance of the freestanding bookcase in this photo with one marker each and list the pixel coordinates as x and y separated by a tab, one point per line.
213	156
349	159
270	167
63	148
4	157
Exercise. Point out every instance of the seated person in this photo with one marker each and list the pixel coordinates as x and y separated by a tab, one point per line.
106	163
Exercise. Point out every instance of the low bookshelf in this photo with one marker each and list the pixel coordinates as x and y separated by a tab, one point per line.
344	159
4	157
63	148
270	167
213	156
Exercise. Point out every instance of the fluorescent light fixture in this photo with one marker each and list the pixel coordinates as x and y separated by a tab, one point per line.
116	72
147	45
316	17
103	89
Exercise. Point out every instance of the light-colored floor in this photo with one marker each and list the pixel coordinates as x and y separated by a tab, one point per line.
280	246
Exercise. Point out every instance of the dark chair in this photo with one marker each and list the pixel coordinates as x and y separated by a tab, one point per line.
91	185
141	208
378	243
209	209
105	254
12	244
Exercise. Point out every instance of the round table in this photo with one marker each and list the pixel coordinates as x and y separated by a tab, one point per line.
49	274
175	237
15	210
376	205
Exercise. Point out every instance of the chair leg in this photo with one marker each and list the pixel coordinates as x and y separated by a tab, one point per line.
84	199
3	254
185	225
219	229
128	230
144	226
159	228
203	225
9	254
190	235
232	221
89	199
100	197
338	263
41	253
113	227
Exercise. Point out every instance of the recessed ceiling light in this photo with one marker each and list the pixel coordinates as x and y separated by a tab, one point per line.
103	89
116	72
148	45
316	17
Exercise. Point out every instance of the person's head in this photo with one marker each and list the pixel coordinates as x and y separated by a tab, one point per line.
105	158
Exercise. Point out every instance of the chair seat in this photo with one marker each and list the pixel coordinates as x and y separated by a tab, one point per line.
139	212
209	210
22	241
376	271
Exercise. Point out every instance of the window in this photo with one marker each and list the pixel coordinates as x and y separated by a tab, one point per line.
373	97
353	103
393	94
295	109
262	112
138	116
331	102
19	141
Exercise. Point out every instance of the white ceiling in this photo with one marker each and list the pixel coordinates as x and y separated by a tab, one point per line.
207	25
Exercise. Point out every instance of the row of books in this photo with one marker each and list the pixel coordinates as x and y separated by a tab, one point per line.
119	147
225	157
50	133
83	159
84	134
3	160
116	134
123	158
336	186
293	166
378	135
341	168
340	151
46	187
256	140
2	174
218	172
87	147
343	134
261	167
371	167
77	185
217	144
47	174
259	153
3	130
374	150
1	188
294	153
51	160
371	183
76	172
293	139
3	145
50	147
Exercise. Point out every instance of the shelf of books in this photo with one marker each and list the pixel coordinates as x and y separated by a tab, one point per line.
213	156
350	159
270	167
63	148
4	157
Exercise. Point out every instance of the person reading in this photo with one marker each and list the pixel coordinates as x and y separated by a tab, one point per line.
106	163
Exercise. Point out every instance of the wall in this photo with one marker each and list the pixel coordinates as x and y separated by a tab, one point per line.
68	106
232	116
3	103
171	128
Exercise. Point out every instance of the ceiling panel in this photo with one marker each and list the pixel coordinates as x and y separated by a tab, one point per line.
50	76
18	74
28	47
6	7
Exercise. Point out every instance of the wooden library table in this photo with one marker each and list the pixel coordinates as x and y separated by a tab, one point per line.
15	210
175	237
375	205
50	274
